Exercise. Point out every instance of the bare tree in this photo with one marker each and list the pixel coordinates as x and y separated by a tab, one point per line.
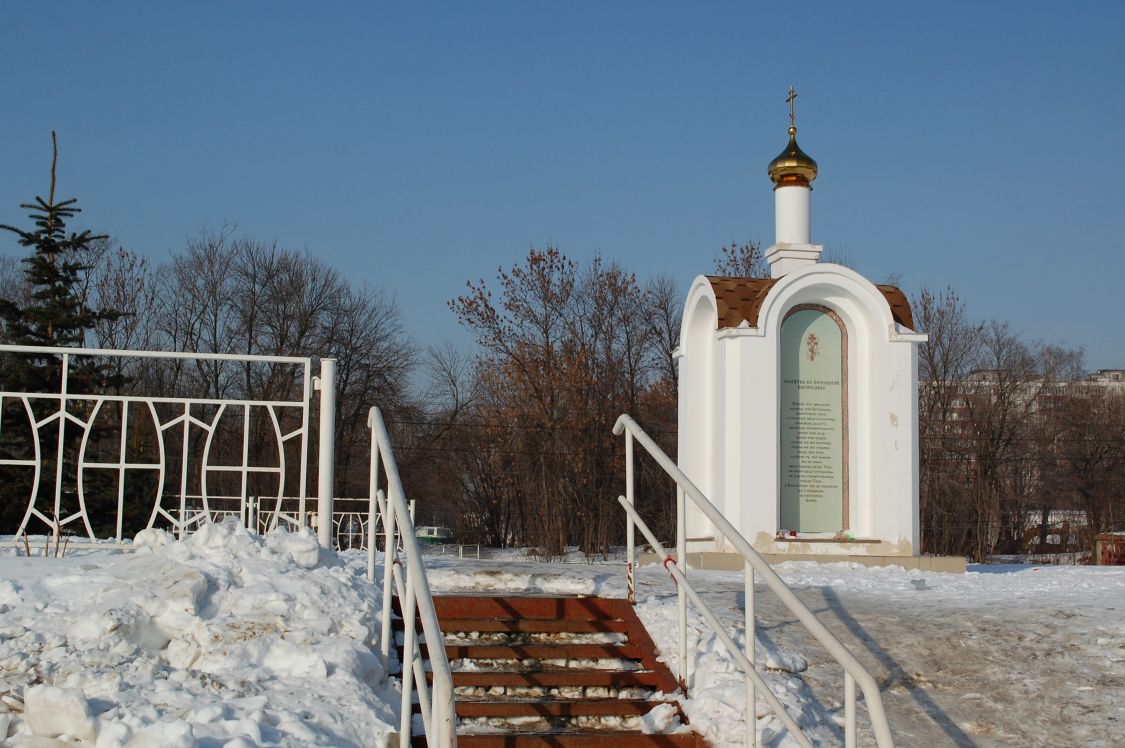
196	311
944	362
123	281
838	256
14	286
742	261
1003	405
229	294
374	359
666	304
566	351
985	396
1084	433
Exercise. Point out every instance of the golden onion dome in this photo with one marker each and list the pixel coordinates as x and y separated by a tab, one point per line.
792	166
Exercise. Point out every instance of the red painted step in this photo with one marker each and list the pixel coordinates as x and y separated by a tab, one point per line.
532	625
570	608
541	652
533	631
555	678
586	708
558	709
578	740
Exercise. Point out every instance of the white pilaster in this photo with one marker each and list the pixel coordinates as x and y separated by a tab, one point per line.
786	258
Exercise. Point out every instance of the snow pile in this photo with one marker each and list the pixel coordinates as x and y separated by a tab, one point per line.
717	684
222	639
514	577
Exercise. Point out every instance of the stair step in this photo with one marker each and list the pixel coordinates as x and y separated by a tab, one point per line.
531	625
554	678
589	708
576	740
573	608
450	626
470	708
561	651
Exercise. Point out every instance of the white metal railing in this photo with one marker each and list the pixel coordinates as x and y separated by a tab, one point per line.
260	514
170	439
854	672
408	581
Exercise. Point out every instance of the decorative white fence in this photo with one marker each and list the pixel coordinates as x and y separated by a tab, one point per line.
854	672
69	449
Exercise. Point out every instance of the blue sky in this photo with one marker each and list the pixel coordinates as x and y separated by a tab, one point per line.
415	146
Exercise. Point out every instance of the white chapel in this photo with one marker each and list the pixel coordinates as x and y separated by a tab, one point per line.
798	397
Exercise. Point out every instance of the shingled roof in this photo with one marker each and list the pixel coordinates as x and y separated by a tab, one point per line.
740	299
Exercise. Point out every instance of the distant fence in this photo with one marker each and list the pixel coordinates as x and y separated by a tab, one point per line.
1110	549
350	517
350	525
84	461
1071	558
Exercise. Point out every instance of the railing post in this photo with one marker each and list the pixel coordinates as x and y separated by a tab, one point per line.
681	593
326	383
62	432
849	711
372	510
390	558
185	447
123	452
751	655
408	659
442	720
630	539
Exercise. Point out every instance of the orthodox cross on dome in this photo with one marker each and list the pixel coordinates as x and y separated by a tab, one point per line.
791	99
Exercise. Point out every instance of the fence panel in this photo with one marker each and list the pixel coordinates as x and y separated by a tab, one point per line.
98	460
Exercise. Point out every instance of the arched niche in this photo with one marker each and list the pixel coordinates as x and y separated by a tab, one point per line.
863	312
697	395
813	421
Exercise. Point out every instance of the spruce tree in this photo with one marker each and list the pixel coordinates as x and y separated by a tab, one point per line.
57	314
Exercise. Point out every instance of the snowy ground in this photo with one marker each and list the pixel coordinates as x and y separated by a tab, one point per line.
1000	656
227	639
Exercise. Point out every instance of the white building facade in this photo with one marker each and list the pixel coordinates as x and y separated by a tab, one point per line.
798	397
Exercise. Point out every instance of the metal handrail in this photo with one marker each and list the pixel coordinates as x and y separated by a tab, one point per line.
854	672
125	353
417	602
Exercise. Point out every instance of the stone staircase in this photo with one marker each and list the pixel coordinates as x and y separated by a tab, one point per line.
557	671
